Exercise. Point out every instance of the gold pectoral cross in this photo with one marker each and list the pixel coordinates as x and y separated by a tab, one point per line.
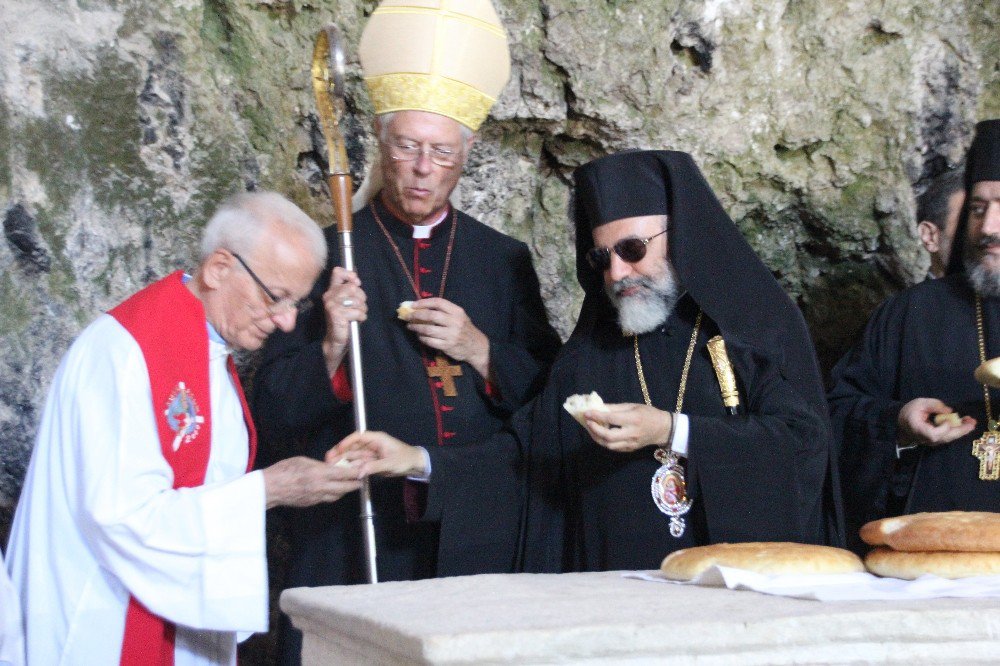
987	449
441	369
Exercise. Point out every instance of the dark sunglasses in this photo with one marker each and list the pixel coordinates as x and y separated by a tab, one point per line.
629	249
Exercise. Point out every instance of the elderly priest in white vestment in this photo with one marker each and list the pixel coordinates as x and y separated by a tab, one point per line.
139	536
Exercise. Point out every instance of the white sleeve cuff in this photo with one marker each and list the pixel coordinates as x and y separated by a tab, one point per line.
426	478
235	565
682	428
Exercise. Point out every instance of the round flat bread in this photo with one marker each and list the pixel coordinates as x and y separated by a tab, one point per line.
907	565
957	531
762	557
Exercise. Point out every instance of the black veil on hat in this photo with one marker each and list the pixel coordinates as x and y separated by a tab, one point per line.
981	163
714	263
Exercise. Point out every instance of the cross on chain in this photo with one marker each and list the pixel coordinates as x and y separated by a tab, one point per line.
441	369
987	449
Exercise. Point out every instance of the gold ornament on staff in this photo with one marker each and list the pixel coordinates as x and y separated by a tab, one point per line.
328	86
724	373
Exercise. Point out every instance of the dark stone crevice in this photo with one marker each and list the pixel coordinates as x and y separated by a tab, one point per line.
21	231
693	48
162	100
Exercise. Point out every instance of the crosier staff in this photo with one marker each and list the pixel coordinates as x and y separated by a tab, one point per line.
328	86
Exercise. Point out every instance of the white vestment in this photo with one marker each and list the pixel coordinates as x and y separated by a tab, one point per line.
99	519
11	634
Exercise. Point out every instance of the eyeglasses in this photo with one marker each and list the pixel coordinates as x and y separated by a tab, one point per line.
408	152
629	249
279	304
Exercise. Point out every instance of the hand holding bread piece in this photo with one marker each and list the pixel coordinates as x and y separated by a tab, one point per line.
951	418
577	404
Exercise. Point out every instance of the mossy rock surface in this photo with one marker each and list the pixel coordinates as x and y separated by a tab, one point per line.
124	122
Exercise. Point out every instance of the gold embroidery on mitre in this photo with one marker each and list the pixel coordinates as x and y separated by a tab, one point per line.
420	92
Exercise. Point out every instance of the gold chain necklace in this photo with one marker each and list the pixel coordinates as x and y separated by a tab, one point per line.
668	486
440	368
982	359
987	447
684	373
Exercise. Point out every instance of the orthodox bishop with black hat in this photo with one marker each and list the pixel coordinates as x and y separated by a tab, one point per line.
914	364
477	341
669	461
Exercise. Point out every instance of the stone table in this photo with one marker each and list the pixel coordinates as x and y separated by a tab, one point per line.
589	618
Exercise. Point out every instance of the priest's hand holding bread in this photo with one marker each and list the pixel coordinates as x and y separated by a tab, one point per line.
622	427
444	326
930	422
382	454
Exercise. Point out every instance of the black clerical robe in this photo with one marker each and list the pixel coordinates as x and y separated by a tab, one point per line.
491	276
757	476
921	343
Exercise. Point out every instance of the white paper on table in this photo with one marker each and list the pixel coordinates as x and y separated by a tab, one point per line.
837	587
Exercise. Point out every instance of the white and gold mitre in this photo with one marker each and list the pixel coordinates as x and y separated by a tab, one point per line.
443	56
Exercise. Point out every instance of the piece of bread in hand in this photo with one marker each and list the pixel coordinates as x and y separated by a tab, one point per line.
956	531
884	561
775	557
951	418
405	310
577	404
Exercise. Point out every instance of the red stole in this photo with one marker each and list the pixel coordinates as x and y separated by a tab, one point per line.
168	322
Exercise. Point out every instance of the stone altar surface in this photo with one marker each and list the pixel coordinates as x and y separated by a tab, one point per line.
590	618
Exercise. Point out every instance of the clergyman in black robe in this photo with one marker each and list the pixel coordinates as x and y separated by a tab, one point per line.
477	344
585	496
915	360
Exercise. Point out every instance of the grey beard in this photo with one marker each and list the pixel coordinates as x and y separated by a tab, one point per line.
984	282
648	309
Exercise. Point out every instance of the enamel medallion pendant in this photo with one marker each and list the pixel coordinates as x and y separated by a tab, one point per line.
670	490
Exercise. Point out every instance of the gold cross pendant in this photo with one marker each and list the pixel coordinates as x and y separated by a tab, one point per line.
987	449
441	369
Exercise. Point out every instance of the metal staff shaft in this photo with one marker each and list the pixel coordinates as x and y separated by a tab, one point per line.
328	86
360	419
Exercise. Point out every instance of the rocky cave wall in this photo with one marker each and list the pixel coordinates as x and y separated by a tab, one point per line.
123	122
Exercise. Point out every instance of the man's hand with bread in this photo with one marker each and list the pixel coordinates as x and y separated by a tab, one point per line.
442	325
930	422
381	455
622	427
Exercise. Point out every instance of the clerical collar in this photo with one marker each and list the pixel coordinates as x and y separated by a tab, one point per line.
421	231
400	228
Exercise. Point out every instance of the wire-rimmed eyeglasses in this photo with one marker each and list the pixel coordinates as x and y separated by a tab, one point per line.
405	151
279	304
